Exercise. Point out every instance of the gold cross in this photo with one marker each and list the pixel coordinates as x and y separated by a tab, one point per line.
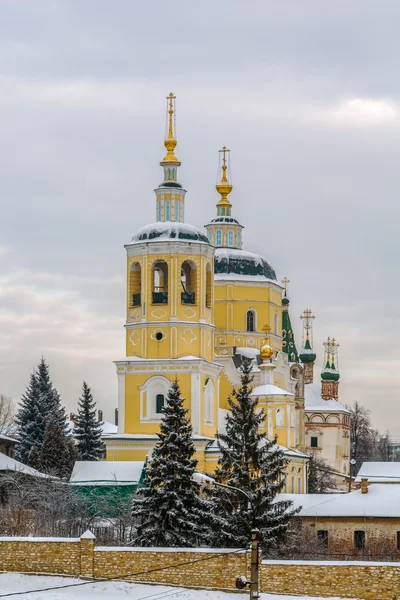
307	317
285	282
266	328
171	98
224	150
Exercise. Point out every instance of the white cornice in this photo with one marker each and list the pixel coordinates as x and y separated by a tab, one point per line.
172	323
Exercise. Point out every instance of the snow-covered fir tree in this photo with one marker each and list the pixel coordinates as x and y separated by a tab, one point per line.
88	429
31	424
254	464
58	452
169	509
40	405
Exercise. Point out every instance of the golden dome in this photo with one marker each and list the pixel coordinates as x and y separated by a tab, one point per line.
266	352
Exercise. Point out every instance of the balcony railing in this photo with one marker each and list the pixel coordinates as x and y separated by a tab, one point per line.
136	299
187	298
160	297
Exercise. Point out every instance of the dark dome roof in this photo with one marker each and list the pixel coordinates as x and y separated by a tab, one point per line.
233	262
170	184
224	220
169	230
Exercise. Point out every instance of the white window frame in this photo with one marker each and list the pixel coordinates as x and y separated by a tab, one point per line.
209	402
148	398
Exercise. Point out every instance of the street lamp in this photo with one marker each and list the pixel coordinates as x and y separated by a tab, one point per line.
241	582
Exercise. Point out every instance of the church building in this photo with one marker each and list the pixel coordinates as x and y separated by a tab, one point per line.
196	304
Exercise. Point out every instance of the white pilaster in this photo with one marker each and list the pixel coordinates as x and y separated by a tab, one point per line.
121	402
195	403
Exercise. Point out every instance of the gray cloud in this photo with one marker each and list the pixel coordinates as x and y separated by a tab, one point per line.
306	95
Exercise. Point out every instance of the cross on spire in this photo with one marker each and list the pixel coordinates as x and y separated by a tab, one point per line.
170	99
285	282
307	318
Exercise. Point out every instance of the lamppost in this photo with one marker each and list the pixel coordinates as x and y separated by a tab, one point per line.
241	582
352	463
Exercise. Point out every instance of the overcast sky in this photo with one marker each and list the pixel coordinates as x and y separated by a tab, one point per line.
307	97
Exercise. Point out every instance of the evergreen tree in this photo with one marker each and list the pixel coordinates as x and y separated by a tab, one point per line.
41	405
171	511
253	464
88	430
57	454
30	423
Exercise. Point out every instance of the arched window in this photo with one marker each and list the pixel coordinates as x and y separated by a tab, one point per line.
167	210
135	284
177	216
160	282
208	286
222	211
230	237
218	237
188	282
153	394
209	395
210	236
239	238
169	174
250	320
160	402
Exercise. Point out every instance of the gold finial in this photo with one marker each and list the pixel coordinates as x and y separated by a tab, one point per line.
224	187
307	318
328	349
170	142
266	350
285	282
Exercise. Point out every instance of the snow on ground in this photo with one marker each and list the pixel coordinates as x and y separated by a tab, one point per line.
14	582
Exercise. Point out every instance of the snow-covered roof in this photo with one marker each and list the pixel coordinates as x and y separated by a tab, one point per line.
315	403
6	438
269	390
379	472
10	464
248	352
381	501
169	230
107	429
126	472
240	265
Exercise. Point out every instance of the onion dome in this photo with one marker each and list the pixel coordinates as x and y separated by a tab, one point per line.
307	355
326	374
285	300
171	231
239	264
266	352
335	376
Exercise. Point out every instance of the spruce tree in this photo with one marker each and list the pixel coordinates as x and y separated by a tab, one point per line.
30	422
169	509
88	429
41	405
57	453
254	464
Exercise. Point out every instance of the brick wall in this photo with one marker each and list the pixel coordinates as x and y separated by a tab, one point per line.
365	581
41	555
80	557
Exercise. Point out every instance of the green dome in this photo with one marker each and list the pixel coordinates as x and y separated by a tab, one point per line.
307	355
335	374
239	264
285	301
330	373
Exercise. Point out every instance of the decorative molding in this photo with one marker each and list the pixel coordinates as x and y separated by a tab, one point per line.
189	313
188	336
135	337
158	313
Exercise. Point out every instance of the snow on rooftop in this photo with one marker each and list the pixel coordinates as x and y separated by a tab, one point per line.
106	472
241	277
10	464
379	472
248	352
381	501
6	438
314	402
269	390
169	230
107	429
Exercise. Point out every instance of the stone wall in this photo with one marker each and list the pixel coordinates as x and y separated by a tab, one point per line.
40	555
198	568
361	580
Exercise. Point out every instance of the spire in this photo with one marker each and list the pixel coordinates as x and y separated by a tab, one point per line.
307	355
170	141
288	343
224	187
330	375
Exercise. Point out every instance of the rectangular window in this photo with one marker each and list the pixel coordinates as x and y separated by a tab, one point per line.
167	210
398	540
158	211
230	238
314	442
159	403
322	535
359	540
219	237
177	217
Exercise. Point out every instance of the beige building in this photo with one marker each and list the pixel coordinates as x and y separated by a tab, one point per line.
365	522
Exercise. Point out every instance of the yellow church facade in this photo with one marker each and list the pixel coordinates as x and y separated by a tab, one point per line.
196	304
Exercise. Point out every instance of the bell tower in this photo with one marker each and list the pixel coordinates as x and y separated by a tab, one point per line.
169	319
